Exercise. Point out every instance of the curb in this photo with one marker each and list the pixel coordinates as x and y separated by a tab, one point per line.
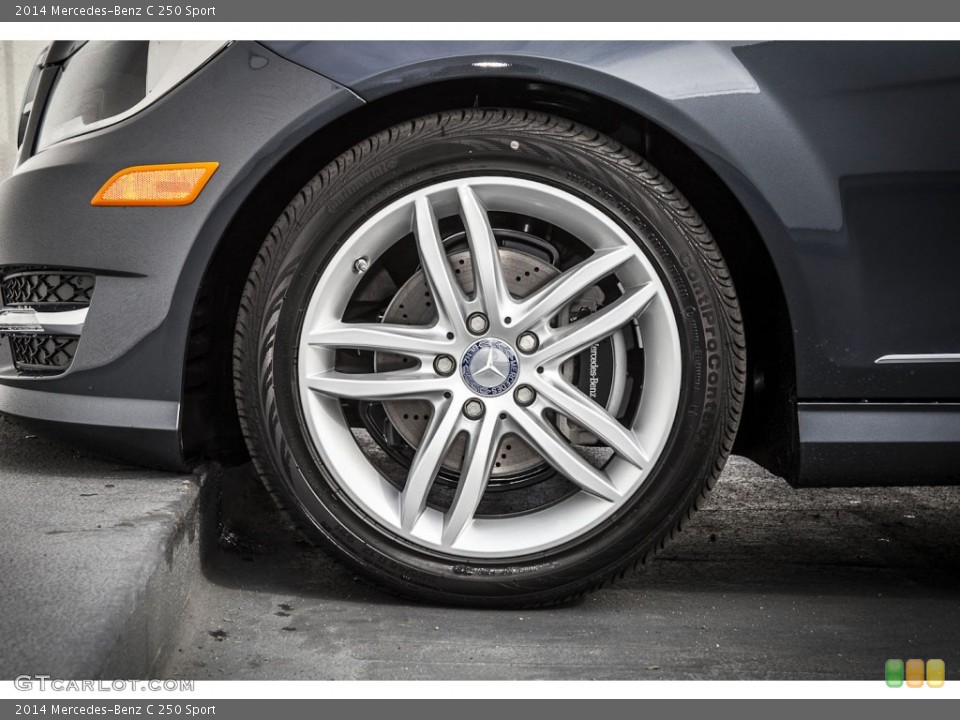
97	560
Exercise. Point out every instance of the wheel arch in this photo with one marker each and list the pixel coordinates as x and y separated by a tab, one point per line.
768	430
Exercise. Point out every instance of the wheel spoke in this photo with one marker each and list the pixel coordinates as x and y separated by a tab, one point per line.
448	296
442	409
393	385
403	339
582	334
569	401
442	431
558	452
478	459
491	285
564	289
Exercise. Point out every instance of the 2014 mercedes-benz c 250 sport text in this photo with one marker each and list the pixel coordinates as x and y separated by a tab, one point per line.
488	318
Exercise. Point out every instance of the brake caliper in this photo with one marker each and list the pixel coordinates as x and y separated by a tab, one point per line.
598	371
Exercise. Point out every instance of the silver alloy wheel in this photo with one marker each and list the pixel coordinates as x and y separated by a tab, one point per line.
644	307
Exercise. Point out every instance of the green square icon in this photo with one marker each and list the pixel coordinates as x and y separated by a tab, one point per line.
893	671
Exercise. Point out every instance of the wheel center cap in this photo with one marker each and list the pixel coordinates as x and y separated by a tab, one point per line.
489	367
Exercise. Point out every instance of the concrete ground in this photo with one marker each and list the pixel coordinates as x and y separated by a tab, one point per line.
114	571
95	560
768	583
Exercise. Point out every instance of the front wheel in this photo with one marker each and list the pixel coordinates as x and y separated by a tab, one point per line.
489	357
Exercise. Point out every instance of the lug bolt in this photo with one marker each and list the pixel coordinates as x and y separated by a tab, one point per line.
360	265
473	409
524	395
477	323
444	365
528	342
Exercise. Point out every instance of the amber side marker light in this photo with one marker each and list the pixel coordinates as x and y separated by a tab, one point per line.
156	185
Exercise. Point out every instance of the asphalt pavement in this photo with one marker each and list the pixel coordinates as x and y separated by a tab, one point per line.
108	570
767	583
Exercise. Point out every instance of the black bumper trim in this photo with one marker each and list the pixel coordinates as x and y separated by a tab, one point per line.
878	444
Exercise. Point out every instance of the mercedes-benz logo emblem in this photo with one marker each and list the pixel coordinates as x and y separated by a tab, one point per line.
489	367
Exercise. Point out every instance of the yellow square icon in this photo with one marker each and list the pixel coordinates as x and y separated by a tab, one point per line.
936	673
914	673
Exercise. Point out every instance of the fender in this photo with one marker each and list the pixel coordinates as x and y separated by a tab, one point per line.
801	134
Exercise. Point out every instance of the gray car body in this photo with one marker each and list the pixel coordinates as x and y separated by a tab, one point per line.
840	154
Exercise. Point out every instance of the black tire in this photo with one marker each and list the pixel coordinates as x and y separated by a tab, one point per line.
555	151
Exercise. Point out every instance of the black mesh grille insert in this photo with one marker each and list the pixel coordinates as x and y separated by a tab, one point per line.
43	354
51	290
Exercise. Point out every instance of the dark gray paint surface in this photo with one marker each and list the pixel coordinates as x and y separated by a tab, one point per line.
150	261
867	444
841	153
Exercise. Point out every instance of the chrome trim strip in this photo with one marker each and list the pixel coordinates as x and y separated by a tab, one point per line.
28	320
922	358
22	320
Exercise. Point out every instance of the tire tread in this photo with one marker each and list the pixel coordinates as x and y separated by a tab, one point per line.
256	426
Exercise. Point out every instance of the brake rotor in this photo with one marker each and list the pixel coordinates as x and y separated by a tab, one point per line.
413	305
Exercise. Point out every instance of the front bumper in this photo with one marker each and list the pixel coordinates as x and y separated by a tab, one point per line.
115	380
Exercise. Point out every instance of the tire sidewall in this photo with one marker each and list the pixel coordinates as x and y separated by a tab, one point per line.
429	153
